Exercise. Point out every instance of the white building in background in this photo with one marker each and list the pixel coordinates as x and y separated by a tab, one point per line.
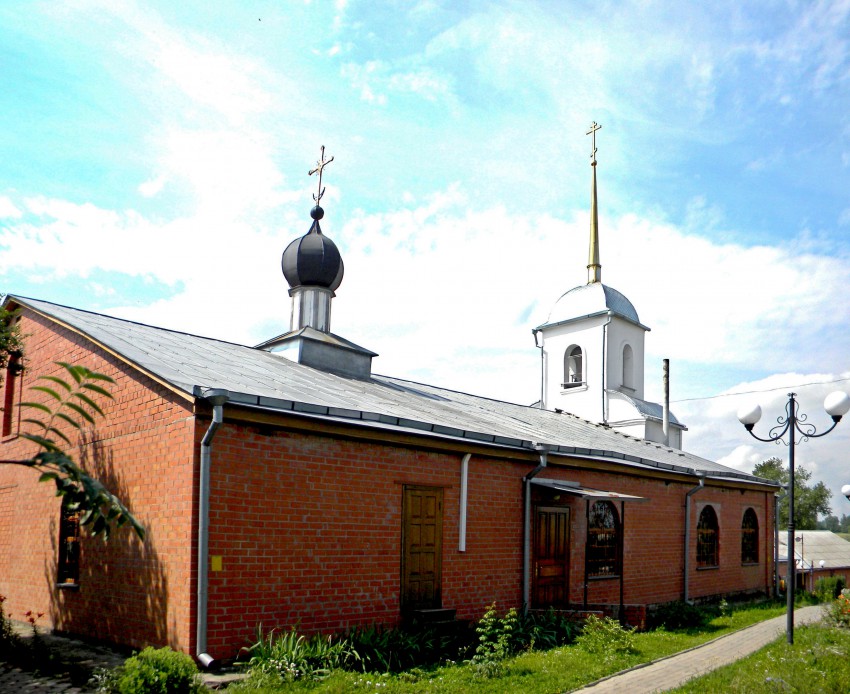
592	348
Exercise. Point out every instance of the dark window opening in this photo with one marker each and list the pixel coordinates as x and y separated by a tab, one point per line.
11	384
707	538
68	568
573	368
750	537
603	540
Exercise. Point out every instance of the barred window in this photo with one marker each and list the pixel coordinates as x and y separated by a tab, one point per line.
750	537
603	540
707	538
68	565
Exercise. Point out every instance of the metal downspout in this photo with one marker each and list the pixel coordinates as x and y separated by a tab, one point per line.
688	496
216	397
777	498
534	332
464	491
665	412
526	530
604	374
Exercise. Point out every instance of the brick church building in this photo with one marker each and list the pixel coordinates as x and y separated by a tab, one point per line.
287	484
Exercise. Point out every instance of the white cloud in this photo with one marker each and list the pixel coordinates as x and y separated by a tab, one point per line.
8	209
153	186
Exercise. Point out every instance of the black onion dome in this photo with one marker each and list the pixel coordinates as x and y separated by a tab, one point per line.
313	260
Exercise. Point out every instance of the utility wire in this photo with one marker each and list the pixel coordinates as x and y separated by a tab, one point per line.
763	390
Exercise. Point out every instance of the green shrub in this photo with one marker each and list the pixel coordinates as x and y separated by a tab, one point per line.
678	615
153	671
829	587
290	656
543	630
375	648
497	639
605	636
8	639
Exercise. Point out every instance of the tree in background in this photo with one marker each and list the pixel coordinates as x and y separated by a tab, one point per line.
809	501
11	340
835	524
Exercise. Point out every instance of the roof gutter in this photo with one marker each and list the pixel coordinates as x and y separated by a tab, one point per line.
216	397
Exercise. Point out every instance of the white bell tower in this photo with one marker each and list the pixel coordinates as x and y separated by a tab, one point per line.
593	351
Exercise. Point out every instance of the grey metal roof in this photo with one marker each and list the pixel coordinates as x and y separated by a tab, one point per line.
647	409
816	546
590	299
261	379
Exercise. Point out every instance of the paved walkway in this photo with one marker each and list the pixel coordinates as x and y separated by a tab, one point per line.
672	672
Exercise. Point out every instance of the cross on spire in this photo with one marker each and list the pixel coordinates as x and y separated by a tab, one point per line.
320	165
594	268
592	132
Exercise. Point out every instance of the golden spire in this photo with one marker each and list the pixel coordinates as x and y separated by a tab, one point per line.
594	269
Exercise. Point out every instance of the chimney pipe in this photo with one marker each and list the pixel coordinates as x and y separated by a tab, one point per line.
665	417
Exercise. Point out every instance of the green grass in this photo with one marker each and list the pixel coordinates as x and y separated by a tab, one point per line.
819	661
535	672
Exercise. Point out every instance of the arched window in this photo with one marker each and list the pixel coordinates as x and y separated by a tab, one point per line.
628	367
573	367
750	538
603	540
707	538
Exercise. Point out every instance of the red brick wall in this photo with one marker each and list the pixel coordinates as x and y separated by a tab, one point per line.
309	531
129	592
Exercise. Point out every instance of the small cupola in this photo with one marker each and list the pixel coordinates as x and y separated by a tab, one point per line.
313	268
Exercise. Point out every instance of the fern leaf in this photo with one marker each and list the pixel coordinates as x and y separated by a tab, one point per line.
75	371
52	393
80	411
70	420
91	403
58	381
37	406
45	443
97	389
54	430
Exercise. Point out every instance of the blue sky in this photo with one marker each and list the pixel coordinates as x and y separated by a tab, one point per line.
153	161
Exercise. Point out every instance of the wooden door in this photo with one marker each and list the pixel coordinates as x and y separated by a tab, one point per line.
422	547
550	563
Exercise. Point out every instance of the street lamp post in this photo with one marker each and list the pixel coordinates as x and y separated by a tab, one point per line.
836	405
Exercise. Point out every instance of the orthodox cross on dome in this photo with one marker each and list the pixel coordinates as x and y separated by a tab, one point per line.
592	132
320	165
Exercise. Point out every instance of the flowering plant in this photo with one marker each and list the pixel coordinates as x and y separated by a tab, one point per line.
838	611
